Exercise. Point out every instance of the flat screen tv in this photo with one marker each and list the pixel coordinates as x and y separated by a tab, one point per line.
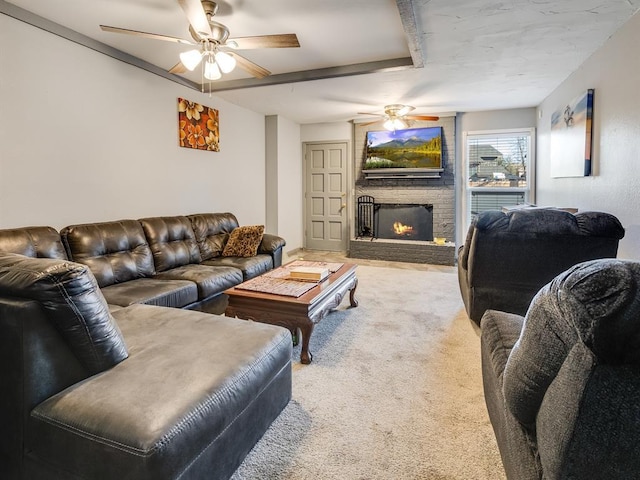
414	148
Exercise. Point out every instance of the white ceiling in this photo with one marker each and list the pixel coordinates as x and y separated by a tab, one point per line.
478	54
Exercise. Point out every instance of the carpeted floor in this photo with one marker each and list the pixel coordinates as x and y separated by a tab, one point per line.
394	390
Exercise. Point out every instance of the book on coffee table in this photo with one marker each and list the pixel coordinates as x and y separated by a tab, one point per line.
312	274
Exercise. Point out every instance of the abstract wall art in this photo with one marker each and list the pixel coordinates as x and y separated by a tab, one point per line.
198	126
571	133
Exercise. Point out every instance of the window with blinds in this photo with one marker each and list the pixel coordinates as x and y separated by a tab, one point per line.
498	168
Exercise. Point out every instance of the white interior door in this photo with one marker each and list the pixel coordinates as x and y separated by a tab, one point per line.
326	224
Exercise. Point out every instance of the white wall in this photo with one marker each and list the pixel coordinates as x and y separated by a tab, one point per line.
284	182
326	132
614	187
86	138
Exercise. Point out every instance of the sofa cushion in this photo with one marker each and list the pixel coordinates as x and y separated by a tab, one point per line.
249	266
208	279
73	302
197	388
115	252
595	303
244	241
212	231
38	242
150	291
172	241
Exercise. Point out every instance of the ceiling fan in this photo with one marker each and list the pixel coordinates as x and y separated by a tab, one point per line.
396	116
214	49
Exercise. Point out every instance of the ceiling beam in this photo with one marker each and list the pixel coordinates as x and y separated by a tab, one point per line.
412	31
292	77
317	74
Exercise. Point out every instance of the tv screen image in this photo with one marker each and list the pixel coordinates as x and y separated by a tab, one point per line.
414	148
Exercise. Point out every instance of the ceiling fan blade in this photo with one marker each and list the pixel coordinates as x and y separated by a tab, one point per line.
285	40
376	114
404	110
196	16
178	68
252	68
422	117
138	33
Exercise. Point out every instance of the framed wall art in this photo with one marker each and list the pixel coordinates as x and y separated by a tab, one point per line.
571	132
198	126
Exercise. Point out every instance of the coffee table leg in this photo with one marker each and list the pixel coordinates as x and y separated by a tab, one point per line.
306	330
352	294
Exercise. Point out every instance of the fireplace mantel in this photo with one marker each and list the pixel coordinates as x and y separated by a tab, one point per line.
377	173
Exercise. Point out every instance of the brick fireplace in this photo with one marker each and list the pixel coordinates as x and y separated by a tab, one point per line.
437	192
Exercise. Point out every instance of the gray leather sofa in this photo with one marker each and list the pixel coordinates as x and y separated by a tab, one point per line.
562	384
508	257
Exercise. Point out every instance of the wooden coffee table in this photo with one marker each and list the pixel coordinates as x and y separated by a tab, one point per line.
297	314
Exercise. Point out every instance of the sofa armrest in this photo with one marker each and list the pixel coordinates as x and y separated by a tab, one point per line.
500	331
272	245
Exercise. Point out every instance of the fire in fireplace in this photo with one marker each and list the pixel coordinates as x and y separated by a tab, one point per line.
403	221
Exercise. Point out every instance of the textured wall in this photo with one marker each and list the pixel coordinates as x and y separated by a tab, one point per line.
614	184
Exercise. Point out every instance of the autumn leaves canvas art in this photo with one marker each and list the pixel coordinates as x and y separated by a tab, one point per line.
198	126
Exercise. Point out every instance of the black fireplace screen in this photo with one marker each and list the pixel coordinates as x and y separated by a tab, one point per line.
400	221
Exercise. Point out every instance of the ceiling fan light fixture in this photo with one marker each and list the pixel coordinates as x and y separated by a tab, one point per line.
225	61
393	124
211	70
191	59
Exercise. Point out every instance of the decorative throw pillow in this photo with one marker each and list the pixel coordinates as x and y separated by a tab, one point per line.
244	241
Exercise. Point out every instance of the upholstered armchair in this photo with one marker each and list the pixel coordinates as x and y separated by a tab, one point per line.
508	257
562	384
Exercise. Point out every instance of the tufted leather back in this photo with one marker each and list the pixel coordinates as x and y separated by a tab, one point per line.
114	251
212	232
37	242
172	241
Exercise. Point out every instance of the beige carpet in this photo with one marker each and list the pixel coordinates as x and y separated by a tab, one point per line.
394	390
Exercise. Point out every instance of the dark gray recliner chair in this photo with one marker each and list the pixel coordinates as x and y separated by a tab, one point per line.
562	385
508	257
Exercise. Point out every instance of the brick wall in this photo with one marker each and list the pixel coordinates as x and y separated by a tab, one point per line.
440	192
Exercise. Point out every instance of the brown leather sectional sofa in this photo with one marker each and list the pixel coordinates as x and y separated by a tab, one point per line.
100	380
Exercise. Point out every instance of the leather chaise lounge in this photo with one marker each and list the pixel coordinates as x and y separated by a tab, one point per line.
131	389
